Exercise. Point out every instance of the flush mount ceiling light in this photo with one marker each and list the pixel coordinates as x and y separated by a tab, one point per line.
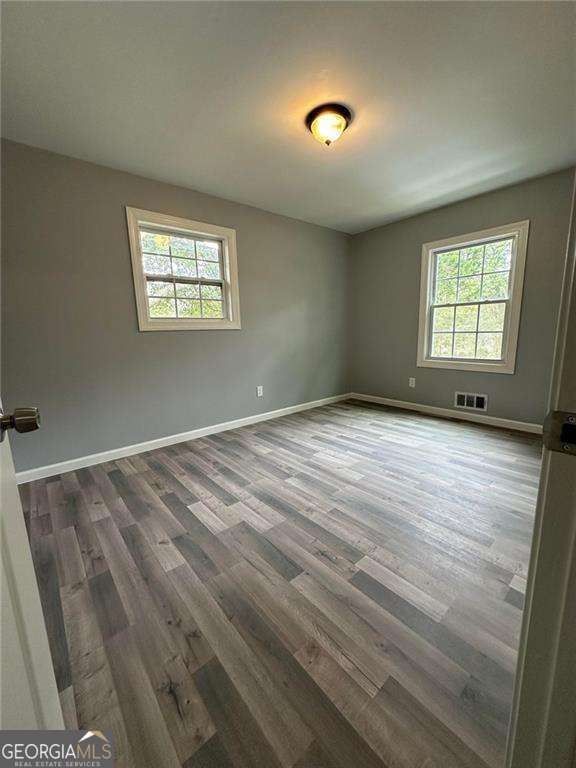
328	122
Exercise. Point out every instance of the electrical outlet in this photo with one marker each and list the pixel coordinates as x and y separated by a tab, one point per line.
259	391
412	382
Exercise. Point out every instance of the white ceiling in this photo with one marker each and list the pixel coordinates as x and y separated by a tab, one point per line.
451	99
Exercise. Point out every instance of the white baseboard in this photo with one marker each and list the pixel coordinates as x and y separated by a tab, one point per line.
452	413
70	465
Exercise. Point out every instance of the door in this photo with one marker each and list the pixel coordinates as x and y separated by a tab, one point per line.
29	698
543	730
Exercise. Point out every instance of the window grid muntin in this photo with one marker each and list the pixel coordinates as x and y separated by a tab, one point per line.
182	279
479	303
476	332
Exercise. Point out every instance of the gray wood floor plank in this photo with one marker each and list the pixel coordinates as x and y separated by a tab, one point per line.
146	728
44	553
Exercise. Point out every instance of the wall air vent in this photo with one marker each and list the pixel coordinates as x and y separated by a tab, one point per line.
471	401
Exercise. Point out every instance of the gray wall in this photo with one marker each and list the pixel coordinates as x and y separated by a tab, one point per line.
385	289
72	345
322	313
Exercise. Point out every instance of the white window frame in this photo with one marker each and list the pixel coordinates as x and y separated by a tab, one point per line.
507	364
138	218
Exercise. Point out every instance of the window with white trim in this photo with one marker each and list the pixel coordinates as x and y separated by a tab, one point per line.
470	300
185	273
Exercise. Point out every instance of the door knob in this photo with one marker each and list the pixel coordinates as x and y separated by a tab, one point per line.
22	420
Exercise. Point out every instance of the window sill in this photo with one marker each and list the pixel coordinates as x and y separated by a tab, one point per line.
471	365
190	325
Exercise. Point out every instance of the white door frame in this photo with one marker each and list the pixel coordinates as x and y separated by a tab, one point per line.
29	697
28	694
543	725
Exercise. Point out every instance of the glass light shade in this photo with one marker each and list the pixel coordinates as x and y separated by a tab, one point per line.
328	127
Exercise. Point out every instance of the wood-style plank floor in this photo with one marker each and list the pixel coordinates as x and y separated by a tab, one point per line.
341	587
